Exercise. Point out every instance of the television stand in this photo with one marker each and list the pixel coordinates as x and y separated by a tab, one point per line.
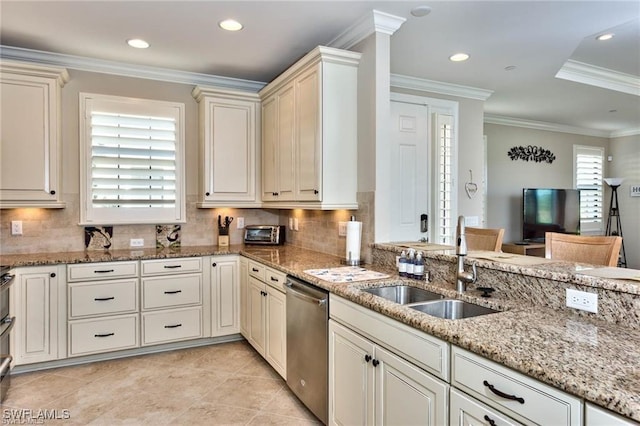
529	249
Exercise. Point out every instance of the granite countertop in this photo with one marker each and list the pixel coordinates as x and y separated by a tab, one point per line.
594	360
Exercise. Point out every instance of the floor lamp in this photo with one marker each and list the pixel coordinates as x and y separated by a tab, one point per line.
614	212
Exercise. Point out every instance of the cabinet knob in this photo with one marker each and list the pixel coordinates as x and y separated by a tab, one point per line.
367	358
52	192
52	275
490	420
375	362
207	193
214	264
315	191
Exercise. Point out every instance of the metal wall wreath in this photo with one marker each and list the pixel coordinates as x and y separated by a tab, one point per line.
531	153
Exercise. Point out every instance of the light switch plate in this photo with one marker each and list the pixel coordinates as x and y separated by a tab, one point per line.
342	229
295	224
240	222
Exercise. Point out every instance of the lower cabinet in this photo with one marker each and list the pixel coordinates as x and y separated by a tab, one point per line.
370	385
266	320
225	296
37	297
596	416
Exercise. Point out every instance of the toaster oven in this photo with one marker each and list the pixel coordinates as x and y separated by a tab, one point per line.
264	234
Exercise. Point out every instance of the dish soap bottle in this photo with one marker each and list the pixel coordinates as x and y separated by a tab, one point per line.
411	263
402	264
418	268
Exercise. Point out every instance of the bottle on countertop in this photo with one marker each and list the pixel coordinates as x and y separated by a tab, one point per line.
411	263
418	268
402	264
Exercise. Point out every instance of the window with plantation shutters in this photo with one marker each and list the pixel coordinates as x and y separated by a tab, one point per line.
131	160
588	178
445	200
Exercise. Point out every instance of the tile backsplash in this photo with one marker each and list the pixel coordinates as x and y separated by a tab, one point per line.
57	230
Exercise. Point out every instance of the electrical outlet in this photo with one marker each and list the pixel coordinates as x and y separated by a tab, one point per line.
136	242
240	222
16	227
582	300
342	229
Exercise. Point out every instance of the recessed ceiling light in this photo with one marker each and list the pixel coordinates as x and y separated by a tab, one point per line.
421	11
230	25
605	37
138	43
459	57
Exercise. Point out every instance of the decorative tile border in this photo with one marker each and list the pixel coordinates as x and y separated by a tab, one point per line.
98	237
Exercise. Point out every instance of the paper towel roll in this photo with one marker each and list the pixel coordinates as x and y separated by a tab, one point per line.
354	234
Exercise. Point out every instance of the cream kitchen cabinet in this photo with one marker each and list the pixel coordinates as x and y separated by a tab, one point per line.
229	149
309	131
225	295
172	299
30	140
103	307
267	315
465	410
516	395
597	416
244	295
373	382
38	302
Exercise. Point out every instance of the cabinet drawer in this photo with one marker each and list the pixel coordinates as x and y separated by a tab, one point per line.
102	271
172	291
104	297
275	279
464	410
499	387
171	266
103	335
167	326
256	270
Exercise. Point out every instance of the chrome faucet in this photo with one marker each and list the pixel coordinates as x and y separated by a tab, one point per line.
462	277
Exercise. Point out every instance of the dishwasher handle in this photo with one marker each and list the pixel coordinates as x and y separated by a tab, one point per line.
299	292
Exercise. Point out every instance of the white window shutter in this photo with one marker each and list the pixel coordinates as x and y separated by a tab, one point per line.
588	178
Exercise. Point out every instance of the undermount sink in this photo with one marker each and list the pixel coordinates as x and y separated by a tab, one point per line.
403	294
452	309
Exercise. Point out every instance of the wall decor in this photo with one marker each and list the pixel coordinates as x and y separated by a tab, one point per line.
470	187
98	237
168	236
531	153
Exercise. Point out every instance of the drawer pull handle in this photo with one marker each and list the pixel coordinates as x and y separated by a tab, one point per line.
173	326
103	299
102	271
104	335
490	420
255	270
274	279
502	394
173	292
172	266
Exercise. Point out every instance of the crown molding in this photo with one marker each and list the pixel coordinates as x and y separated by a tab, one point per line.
424	85
623	133
128	70
373	22
542	125
605	78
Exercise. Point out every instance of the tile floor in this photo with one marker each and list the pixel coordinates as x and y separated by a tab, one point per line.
220	384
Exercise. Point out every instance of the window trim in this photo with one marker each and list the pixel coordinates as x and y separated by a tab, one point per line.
112	216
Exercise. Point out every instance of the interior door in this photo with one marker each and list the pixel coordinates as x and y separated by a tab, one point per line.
409	170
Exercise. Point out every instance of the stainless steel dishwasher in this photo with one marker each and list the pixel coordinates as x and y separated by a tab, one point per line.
307	345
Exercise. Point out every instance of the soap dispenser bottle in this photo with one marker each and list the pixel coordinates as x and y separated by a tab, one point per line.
411	263
402	264
418	268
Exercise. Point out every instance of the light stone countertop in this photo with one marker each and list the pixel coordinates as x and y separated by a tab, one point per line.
594	360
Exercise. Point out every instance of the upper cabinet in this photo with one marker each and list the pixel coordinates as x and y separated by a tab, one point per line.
30	140
309	133
228	123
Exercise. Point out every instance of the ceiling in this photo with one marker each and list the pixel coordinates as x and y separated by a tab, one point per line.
538	38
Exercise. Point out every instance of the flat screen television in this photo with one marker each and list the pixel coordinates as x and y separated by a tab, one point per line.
549	210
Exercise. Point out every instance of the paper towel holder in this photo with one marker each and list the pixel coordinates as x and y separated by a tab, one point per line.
349	260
